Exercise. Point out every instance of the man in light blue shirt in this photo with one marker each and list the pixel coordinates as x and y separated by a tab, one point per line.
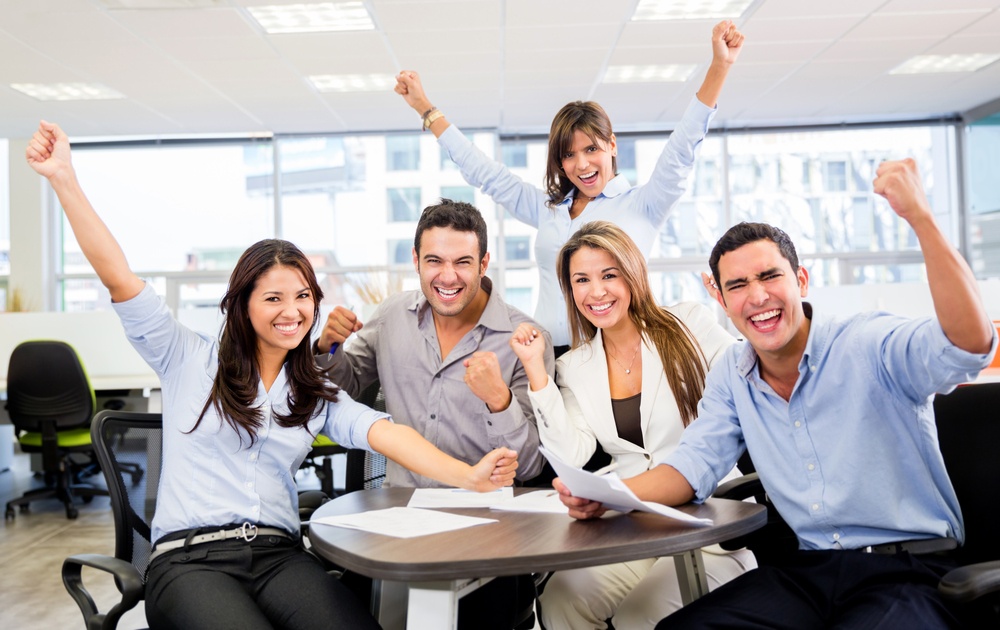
838	418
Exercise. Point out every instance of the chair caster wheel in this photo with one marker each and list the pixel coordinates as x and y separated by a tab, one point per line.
72	513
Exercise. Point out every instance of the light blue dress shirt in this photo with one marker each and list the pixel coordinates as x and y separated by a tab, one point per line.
852	458
640	211
210	476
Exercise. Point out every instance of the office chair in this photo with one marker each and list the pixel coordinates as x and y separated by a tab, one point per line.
50	403
320	460
365	469
126	441
968	434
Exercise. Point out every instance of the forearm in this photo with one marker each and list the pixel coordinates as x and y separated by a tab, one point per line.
711	87
957	302
409	449
96	241
663	484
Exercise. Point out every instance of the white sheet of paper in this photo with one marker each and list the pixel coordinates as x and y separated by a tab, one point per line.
402	522
610	490
537	501
458	498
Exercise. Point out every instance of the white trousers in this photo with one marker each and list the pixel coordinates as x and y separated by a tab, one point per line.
633	595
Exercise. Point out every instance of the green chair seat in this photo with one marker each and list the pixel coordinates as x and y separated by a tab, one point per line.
65	439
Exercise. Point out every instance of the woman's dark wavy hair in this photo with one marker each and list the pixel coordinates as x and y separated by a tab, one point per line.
235	387
585	116
683	361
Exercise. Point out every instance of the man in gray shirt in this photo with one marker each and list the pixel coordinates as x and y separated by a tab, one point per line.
442	354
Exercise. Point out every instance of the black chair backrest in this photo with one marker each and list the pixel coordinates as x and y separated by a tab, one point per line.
969	434
366	470
125	441
46	382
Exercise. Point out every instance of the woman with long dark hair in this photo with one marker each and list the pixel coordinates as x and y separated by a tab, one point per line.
582	183
632	382
239	415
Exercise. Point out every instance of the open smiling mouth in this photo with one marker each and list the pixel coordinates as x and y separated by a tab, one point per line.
447	294
600	309
288	329
766	321
589	178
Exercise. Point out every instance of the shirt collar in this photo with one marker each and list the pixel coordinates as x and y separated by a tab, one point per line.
615	187
746	360
494	316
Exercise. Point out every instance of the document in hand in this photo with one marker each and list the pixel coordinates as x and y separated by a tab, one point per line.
610	490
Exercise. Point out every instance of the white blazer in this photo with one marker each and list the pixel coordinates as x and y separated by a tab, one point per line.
571	423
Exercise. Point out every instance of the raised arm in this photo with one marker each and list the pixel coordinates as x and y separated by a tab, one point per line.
49	154
957	303
408	86
409	449
727	42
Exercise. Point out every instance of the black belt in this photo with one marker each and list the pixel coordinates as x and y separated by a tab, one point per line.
913	547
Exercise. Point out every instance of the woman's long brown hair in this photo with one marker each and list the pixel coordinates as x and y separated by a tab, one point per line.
683	361
236	382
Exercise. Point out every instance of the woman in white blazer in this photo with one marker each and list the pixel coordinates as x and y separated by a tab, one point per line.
632	382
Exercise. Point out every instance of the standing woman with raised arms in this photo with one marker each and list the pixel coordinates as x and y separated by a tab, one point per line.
239	415
581	176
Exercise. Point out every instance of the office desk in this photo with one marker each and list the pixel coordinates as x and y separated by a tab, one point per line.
438	569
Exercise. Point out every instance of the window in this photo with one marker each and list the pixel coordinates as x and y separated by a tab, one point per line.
401	251
835	176
5	297
459	193
514	154
402	152
404	204
518	247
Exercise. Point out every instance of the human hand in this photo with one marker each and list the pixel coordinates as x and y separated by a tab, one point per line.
899	182
583	509
727	42
710	286
527	343
495	470
482	375
340	324
48	151
408	86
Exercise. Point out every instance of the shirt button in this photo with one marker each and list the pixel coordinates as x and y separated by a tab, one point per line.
815	506
433	416
255	509
811	466
836	536
489	422
437	376
798	424
253	457
249	484
812	368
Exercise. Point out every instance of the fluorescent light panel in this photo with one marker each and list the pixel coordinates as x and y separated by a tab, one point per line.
68	91
689	9
929	64
353	82
313	18
649	74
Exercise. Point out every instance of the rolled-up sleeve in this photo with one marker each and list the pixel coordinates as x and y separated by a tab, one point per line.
348	422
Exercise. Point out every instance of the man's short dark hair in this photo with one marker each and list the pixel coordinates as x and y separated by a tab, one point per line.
745	233
457	215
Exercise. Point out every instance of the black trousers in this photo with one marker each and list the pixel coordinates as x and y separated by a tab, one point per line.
267	583
827	589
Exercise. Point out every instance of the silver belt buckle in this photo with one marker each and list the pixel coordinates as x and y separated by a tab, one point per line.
248	531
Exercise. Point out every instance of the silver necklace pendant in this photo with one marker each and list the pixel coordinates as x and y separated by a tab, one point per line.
628	371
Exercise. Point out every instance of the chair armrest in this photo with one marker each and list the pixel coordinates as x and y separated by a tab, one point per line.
127	579
970	582
740	488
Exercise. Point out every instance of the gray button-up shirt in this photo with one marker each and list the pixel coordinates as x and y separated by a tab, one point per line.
399	347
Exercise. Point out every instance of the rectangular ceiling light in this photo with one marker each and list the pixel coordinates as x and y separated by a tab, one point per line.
689	9
353	82
68	91
313	18
929	64
649	74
